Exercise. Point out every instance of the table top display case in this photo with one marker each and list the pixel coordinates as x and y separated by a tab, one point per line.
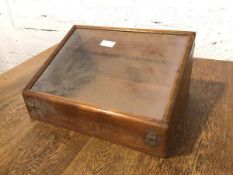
126	86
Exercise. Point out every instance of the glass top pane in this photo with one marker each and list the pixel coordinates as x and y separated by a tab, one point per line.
120	71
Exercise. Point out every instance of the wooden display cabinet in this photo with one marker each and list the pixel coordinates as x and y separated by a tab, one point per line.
126	86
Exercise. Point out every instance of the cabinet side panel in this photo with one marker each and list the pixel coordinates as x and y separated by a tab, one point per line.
180	104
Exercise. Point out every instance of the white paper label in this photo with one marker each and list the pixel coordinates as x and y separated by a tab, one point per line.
107	43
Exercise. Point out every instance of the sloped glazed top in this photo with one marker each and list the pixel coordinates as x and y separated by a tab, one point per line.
120	71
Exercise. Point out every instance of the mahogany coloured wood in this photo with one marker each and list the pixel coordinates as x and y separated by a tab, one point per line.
125	93
203	144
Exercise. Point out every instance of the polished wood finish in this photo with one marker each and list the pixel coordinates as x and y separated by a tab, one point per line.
127	94
203	144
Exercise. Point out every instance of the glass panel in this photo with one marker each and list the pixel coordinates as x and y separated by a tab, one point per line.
127	72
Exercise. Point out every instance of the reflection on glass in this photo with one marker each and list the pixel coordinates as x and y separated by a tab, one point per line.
129	72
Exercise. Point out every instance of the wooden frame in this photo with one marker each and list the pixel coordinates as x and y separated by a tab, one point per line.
140	133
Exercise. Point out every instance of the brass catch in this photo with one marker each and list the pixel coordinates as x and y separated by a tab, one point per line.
152	138
31	104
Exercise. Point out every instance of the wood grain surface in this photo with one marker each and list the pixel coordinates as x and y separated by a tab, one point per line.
204	143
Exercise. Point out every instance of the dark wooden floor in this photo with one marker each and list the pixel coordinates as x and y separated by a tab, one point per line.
204	142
